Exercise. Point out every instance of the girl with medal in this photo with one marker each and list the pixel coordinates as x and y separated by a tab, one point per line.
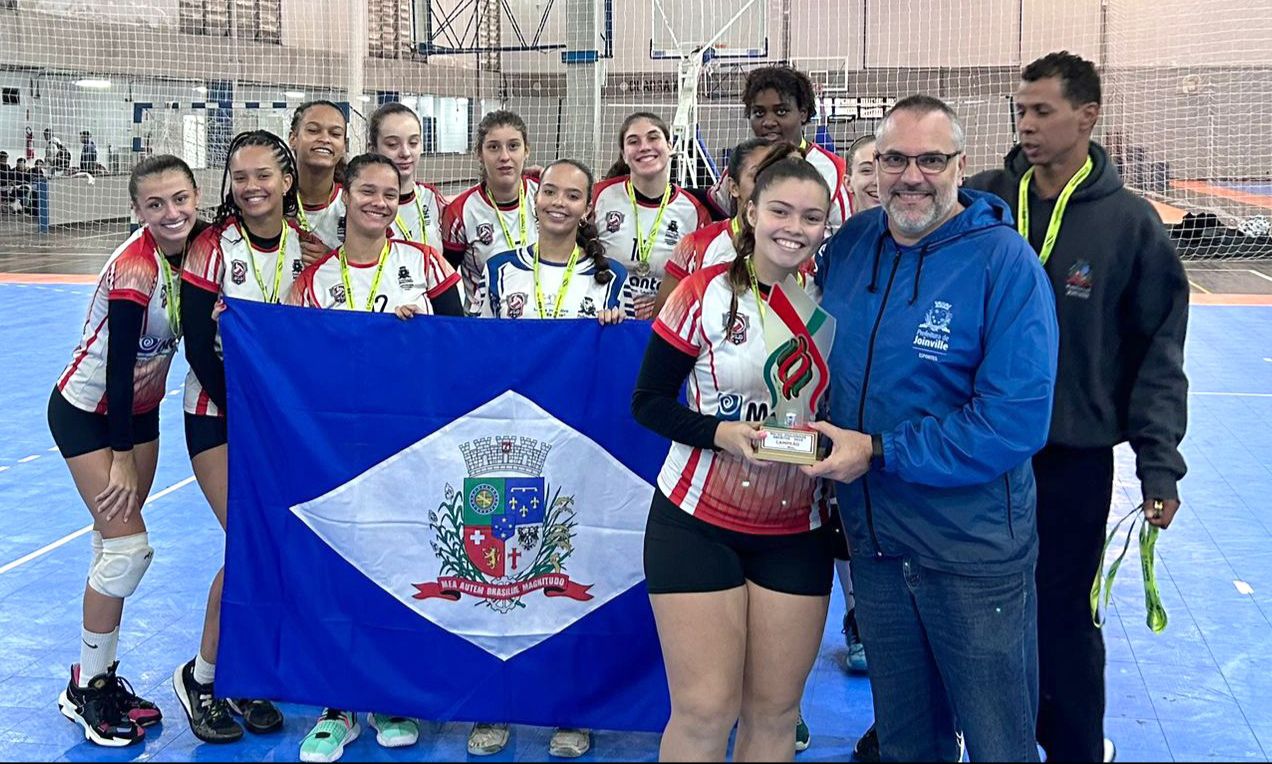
251	252
640	213
319	138
737	551
497	214
863	176
104	417
564	275
395	133
369	271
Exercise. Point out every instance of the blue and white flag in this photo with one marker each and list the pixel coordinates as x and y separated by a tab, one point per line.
440	518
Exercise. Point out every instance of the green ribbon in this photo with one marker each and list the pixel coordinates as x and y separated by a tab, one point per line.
1156	613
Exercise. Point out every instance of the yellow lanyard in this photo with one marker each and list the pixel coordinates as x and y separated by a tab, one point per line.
423	238
521	217
278	268
174	294
755	289
1155	616
735	225
565	283
301	217
375	280
1057	215
644	246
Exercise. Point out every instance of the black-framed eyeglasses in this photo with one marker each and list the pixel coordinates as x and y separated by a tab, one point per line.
930	163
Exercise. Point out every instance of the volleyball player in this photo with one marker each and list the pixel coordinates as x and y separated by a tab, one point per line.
395	133
640	213
104	417
497	214
737	553
319	139
251	252
863	181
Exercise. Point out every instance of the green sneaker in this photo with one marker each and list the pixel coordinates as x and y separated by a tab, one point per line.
802	736
394	731
327	740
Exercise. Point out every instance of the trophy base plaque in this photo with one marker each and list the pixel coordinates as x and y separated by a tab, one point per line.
788	445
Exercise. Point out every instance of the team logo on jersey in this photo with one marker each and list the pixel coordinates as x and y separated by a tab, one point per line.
613	221
588	307
485	233
933	334
337	292
404	278
1078	283
515	305
238	271
297	267
730	407
737	331
673	232
506	533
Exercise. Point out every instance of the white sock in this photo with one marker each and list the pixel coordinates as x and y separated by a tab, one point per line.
845	584
204	671
97	652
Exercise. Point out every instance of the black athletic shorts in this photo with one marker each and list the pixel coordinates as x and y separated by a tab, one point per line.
204	433
684	554
77	432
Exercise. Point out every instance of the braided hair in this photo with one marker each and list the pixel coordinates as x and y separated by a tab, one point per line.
588	237
338	176
286	164
776	166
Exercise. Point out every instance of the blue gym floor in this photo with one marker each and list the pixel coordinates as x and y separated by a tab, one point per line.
1197	692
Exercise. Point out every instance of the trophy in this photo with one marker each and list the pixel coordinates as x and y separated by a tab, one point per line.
798	335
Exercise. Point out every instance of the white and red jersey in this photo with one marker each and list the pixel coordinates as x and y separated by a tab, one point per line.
136	272
832	169
511	292
413	274
419	218
220	261
617	220
727	383
704	247
471	226
324	219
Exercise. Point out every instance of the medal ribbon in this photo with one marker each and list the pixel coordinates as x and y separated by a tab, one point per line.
174	294
645	246
1156	612
1057	215
521	218
375	280
270	297
565	283
423	237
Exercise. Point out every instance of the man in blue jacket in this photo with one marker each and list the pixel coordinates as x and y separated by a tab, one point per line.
942	375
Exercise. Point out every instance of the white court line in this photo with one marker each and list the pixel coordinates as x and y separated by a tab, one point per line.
72	536
4	467
52	449
1243	587
1262	275
1236	395
30	458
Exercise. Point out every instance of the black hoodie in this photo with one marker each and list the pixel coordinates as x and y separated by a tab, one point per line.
1122	304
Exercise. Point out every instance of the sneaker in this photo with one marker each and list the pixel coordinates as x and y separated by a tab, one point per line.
98	710
570	743
1110	750
802	736
141	711
327	740
394	731
209	716
856	661
867	747
259	716
487	739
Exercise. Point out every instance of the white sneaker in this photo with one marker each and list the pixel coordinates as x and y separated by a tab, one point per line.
487	739
569	743
1110	750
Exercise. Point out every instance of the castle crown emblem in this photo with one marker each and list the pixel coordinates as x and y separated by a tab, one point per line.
505	453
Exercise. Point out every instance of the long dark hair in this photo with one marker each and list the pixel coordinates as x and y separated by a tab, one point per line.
588	237
377	119
777	166
499	118
155	165
286	164
620	167
338	175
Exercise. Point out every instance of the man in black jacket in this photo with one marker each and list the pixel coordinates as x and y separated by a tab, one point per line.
1122	303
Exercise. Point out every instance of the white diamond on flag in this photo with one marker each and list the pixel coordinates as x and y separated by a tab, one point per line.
504	527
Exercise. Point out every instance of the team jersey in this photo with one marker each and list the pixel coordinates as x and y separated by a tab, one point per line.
727	382
220	261
703	247
138	272
324	220
617	219
413	274
832	169
510	276
419	218
471	226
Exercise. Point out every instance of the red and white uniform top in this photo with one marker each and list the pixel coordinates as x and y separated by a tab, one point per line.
136	272
727	382
221	261
324	219
419	218
617	220
706	246
478	228
413	274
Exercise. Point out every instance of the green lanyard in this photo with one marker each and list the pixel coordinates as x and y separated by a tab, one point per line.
521	218
375	280
1057	215
423	225
1156	612
278	268
565	283
174	294
645	245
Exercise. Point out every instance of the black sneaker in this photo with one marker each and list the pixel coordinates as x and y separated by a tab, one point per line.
259	716
867	747
141	711
209	716
97	709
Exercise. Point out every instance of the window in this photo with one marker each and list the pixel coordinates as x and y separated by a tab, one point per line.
11	97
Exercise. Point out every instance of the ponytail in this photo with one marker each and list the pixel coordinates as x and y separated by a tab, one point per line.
589	239
618	170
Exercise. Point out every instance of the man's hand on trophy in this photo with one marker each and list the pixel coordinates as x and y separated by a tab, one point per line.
849	456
